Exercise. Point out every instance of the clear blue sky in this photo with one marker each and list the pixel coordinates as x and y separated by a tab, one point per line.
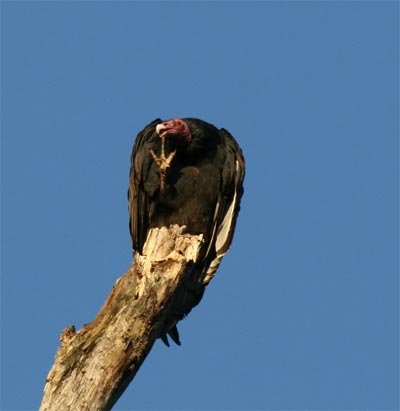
303	313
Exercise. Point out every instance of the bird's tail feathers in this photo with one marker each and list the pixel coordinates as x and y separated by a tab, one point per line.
173	333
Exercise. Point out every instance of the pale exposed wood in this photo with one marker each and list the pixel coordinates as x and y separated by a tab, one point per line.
93	366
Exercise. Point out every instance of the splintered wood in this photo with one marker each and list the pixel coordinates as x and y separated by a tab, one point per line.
93	366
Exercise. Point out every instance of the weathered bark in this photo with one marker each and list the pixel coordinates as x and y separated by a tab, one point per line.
94	366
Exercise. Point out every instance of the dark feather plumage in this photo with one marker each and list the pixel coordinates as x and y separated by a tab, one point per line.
203	188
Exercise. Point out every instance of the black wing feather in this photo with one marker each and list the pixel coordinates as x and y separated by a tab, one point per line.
228	205
137	199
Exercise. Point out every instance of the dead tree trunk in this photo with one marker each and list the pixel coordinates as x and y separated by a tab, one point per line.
94	366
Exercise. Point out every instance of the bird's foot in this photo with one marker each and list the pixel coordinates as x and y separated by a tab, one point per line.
183	230
163	162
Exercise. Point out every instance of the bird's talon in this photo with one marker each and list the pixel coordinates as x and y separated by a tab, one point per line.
163	163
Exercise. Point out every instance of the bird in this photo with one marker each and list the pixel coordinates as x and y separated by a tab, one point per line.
188	172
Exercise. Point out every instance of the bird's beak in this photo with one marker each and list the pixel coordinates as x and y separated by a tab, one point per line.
160	128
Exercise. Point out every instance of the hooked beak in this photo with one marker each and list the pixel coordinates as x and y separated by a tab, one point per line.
160	129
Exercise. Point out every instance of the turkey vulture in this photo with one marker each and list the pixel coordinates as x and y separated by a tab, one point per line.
186	172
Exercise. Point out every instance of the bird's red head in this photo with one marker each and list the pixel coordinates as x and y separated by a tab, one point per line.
177	129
